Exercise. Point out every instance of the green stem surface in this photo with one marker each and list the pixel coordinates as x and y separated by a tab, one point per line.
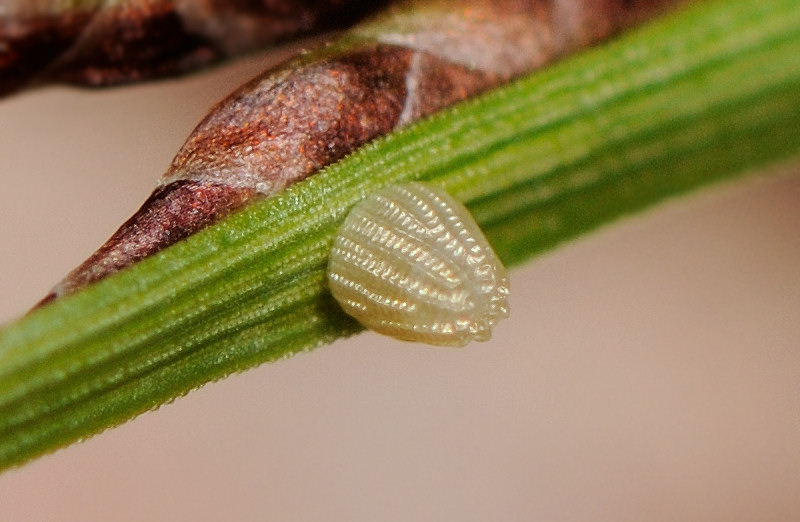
703	95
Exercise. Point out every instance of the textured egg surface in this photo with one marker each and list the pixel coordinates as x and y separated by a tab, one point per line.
410	262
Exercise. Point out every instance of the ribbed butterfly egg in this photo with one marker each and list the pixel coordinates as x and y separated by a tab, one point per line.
410	262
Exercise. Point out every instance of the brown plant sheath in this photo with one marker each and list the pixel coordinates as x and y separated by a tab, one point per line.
289	123
97	43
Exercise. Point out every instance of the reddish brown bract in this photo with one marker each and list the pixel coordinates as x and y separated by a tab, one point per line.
290	122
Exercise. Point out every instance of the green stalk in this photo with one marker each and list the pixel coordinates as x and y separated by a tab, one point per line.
703	95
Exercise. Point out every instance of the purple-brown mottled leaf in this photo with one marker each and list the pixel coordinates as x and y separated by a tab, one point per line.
106	43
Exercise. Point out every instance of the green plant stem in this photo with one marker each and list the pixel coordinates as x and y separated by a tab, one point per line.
702	95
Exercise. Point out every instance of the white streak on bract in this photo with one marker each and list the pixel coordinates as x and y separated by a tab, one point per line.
410	107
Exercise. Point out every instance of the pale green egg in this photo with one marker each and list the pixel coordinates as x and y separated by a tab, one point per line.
410	262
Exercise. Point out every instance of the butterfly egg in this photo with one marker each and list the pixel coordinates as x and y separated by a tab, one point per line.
410	262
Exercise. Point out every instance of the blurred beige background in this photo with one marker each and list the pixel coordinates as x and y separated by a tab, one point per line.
648	372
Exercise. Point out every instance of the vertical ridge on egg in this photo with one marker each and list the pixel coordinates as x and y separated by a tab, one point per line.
410	262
